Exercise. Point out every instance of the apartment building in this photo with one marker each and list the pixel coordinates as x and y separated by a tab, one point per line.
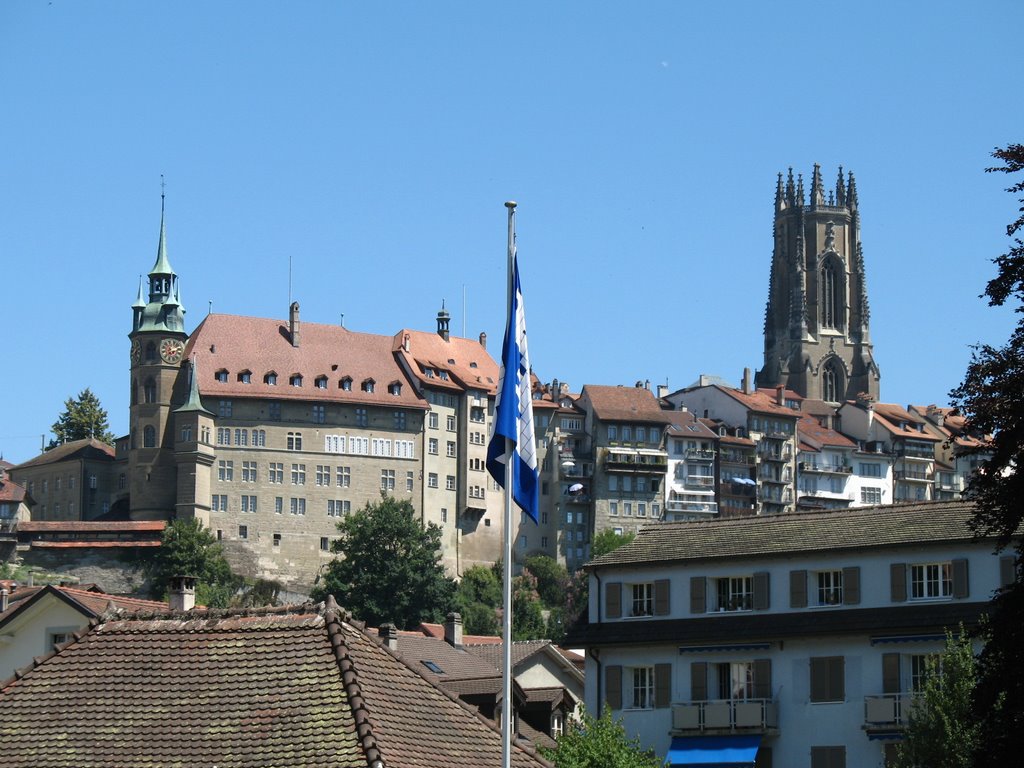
693	477
824	466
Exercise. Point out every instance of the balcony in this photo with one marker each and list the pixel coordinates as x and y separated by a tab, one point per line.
695	507
914	475
639	461
887	712
769	452
723	717
738	458
576	498
835	469
699	481
577	471
699	454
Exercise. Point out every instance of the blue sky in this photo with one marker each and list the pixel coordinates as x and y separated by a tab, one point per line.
374	145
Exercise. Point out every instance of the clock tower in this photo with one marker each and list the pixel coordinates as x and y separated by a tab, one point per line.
157	347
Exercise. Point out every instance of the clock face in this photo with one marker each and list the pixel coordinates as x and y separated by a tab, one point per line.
136	350
171	350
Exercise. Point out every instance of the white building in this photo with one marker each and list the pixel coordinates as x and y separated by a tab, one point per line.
799	638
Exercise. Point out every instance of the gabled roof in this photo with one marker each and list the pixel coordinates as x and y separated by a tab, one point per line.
88	448
297	687
465	362
686	424
794	534
10	491
898	422
634	404
493	654
817	436
237	344
90	603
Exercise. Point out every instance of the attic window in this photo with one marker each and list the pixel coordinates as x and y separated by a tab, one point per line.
346	384
428	372
321	382
472	364
394	388
295	379
271	379
432	667
245	377
451	361
443	375
222	376
367	385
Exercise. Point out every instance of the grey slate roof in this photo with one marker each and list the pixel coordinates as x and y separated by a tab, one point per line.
790	534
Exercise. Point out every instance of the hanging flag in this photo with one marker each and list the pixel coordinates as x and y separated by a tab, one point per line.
513	417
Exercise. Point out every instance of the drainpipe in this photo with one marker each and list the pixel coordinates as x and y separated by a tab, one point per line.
594	654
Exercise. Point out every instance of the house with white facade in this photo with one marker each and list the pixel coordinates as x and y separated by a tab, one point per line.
795	640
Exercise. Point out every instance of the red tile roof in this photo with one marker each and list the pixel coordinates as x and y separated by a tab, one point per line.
635	404
466	363
10	491
810	429
91	604
279	687
89	448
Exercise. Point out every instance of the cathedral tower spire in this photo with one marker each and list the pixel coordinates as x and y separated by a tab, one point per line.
817	340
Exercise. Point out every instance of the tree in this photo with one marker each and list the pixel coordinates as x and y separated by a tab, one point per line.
82	418
527	612
389	567
189	549
552	579
990	399
599	743
943	731
608	540
477	599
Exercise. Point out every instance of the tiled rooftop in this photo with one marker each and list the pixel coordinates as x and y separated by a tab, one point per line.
635	404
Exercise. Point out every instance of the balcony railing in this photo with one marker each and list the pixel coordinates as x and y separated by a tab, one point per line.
919	475
700	453
837	469
700	481
705	507
717	717
738	458
887	710
644	462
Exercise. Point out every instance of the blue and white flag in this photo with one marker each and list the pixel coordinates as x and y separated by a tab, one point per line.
513	416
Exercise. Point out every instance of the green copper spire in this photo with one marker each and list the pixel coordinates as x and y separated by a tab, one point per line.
193	403
140	300
163	312
162	265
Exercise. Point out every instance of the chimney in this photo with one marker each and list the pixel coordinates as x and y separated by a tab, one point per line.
780	394
4	599
453	630
662	391
483	339
293	323
389	634
442	323
182	593
405	342
746	381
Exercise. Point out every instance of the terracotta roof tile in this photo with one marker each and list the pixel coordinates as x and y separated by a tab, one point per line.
89	448
810	429
635	404
467	363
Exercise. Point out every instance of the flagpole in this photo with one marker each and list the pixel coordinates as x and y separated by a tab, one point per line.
510	468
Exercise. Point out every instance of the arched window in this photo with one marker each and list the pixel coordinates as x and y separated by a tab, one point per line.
151	352
149	391
831	300
832	386
149	437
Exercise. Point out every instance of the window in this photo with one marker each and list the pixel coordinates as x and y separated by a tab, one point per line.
186	433
334	443
409	480
641	509
643	599
828	757
276	472
627	433
870	495
149	437
149	391
298	474
432	446
224	408
321	382
248	471
274	411
278	505
343	478
450	423
613	432
294	441
219	502
249	504
398	417
297	506
830	587
387	479
337	507
243	531
921	667
870	470
394	388
476	413
245	377
221	376
319	414
345	384
359	445
380	446
368	385
271	379
277	539
450	450
223	436
627	508
613	508
325	544
122	481
449	483
432	480
404	449
827	678
641	695
735	593
432	421
259	438
323	474
241	437
225	470
361	417
931	580
295	380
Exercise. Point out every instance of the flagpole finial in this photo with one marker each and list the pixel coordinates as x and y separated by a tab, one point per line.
511	204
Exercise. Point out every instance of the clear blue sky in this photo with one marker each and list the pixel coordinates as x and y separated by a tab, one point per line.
374	144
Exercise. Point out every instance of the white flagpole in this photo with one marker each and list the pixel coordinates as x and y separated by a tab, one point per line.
506	669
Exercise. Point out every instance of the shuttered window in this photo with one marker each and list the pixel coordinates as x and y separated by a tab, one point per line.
613	600
827	678
613	686
798	589
851	586
828	757
898	582
698	594
890	673
662	603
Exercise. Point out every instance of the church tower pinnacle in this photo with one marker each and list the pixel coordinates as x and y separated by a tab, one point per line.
816	332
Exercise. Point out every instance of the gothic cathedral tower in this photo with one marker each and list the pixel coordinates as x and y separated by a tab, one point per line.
816	336
157	348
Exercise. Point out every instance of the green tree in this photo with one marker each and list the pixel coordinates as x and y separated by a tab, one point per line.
189	549
943	731
599	743
389	567
477	599
608	540
990	399
527	613
552	579
82	418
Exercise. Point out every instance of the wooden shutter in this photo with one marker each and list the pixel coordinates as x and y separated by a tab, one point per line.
828	757
960	586
698	681
613	600
662	604
698	594
898	582
798	589
827	678
837	678
819	680
613	686
762	678
761	601
1007	570
890	673
662	685
851	586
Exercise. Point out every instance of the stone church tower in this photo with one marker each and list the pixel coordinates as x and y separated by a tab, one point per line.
816	332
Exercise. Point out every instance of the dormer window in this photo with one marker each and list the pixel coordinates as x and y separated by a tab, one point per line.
245	377
222	376
428	372
321	382
346	384
271	379
395	388
367	385
443	375
295	380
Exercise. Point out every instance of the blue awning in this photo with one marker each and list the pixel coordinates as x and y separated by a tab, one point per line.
714	751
